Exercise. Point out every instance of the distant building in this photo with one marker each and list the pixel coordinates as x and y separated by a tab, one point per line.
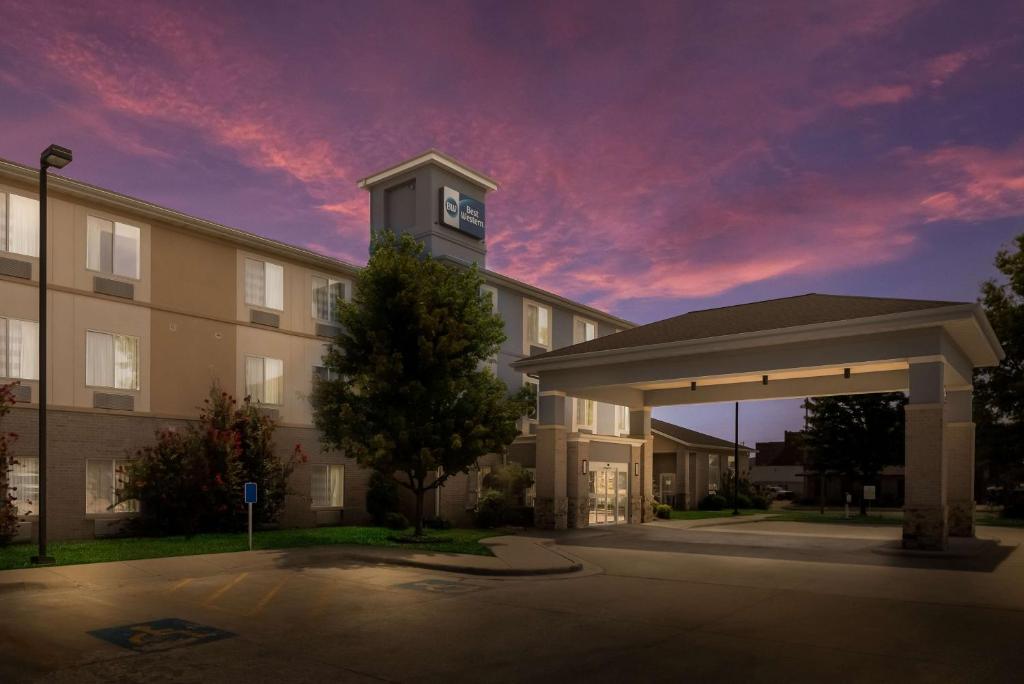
781	464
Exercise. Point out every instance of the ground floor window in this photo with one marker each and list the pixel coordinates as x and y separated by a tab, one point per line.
327	485
103	478
24	485
714	472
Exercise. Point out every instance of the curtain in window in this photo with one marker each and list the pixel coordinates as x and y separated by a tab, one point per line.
99	359
275	286
100	245
23	225
336	485
120	481
273	381
127	239
337	293
24	485
3	222
126	362
319	487
531	324
255	283
543	326
254	378
321	299
99	486
23	349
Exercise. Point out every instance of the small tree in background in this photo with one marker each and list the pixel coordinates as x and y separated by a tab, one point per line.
856	436
414	399
8	511
191	480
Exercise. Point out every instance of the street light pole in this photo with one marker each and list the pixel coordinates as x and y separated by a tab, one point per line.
736	465
56	157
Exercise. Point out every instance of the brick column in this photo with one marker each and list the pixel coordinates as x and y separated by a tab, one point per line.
551	505
958	444
924	523
640	428
577	484
701	479
683	476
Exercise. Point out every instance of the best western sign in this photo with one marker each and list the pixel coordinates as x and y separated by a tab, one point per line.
462	213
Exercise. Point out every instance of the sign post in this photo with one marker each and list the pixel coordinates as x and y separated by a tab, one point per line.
250	499
869	495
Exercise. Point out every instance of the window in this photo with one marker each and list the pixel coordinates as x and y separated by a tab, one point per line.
111	360
714	473
264	379
327	485
622	420
538	325
527	380
264	284
103	479
19	225
326	293
19	349
585	413
24	485
530	495
584	331
113	247
491	292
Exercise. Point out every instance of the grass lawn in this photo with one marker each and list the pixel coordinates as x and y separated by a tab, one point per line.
837	518
997	521
134	548
701	515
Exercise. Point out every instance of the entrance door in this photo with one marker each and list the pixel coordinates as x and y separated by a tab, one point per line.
609	494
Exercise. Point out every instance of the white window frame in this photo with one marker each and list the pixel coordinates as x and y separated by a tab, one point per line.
5	225
114	226
24	504
621	420
130	506
327	468
331	280
580	406
5	342
263	381
527	342
265	302
138	361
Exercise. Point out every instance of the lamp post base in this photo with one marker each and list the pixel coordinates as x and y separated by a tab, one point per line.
43	560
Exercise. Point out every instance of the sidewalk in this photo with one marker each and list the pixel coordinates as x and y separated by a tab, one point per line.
513	556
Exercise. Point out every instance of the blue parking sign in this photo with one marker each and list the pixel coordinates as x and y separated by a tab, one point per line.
250	492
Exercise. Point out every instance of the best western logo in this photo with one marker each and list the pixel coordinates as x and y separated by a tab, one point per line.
451	207
462	213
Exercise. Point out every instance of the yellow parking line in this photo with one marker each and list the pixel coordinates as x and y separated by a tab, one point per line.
268	597
220	592
182	583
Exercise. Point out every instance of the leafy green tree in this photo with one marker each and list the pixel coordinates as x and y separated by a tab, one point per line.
999	391
856	435
412	398
8	511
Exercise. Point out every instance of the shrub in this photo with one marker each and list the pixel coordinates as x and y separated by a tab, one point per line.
490	509
1014	506
8	511
759	502
663	511
396	521
512	480
712	502
381	497
742	501
191	480
438	523
518	516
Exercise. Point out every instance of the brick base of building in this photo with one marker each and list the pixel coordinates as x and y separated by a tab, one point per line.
960	519
925	528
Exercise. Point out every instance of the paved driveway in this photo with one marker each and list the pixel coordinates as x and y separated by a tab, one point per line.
764	602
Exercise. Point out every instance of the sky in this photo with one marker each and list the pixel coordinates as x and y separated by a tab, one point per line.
653	157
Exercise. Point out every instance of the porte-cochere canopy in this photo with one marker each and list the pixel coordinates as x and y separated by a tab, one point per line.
810	345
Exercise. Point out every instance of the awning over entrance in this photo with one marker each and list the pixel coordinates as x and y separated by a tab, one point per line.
811	345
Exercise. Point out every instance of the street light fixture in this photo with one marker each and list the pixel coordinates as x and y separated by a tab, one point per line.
56	157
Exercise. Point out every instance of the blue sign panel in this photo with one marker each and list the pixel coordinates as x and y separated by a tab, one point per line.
160	635
463	213
250	492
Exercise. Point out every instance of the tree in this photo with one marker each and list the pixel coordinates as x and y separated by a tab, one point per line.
856	435
8	511
410	395
999	391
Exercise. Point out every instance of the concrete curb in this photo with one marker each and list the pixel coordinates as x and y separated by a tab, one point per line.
575	566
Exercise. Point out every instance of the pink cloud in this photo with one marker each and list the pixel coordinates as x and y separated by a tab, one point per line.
875	95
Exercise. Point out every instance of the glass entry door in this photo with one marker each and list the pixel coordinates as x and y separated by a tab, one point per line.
609	494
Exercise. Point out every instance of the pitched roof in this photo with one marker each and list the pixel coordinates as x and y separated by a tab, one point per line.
772	314
689	436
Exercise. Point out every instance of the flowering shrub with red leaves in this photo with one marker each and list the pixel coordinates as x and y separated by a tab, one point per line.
8	511
191	480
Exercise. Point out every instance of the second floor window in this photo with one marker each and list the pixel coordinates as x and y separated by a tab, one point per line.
622	420
111	360
326	293
583	330
538	325
264	379
19	225
19	349
264	284
113	247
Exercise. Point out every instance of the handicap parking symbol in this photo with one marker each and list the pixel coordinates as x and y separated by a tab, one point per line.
160	635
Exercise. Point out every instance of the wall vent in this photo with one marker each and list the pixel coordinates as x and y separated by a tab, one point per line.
327	330
272	414
22	393
15	268
264	318
114	402
114	288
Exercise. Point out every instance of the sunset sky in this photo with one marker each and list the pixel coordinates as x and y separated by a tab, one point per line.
654	158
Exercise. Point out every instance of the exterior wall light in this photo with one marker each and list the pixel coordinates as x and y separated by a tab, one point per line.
846	373
693	385
636	469
764	379
586	466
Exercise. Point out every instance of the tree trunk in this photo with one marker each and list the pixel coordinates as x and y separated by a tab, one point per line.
419	511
